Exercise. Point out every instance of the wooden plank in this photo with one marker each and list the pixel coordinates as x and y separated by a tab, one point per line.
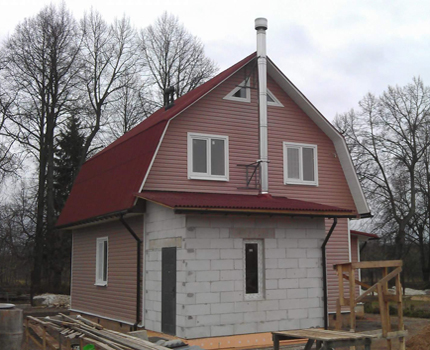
387	305
384	320
375	286
338	324
352	298
376	264
322	335
340	279
390	335
362	284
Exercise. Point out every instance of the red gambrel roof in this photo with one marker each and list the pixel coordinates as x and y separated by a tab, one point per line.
216	202
107	182
364	234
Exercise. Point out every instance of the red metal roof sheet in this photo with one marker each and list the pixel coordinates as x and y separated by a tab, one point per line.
365	234
237	202
107	182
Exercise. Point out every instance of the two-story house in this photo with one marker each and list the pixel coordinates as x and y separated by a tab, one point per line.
212	216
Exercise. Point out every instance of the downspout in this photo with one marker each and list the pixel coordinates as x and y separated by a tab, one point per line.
138	279
261	27
324	265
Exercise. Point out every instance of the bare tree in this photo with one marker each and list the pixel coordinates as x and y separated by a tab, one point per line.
130	105
111	64
174	57
41	70
388	138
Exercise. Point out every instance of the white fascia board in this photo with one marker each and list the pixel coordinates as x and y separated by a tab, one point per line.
329	130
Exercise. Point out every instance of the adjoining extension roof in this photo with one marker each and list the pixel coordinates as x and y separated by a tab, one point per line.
264	204
364	234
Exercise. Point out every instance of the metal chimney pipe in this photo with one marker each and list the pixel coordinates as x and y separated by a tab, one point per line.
261	27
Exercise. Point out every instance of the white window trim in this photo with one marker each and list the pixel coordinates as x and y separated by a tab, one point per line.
100	281
200	176
300	146
275	102
247	98
260	294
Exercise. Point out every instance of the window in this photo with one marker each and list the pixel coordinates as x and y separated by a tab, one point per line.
300	164
253	272
272	100
207	157
240	93
102	261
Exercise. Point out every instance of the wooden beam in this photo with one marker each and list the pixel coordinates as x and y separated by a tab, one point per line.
376	264
364	285
352	298
375	286
340	280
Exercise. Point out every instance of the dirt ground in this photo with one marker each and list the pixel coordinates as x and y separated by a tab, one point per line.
371	322
368	322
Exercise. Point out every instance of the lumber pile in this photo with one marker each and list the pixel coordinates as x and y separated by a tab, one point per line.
65	333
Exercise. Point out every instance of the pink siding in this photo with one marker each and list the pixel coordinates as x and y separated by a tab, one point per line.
239	121
117	300
337	252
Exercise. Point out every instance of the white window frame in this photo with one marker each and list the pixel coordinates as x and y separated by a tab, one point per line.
260	294
207	176
275	102
100	260
244	84
300	181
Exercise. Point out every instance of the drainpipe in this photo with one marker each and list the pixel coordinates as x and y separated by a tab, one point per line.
138	280
261	27
324	265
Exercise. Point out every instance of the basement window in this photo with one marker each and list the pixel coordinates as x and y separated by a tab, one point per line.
253	272
102	261
300	164
207	157
241	93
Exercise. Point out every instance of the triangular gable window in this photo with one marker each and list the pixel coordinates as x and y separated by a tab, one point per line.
240	93
272	100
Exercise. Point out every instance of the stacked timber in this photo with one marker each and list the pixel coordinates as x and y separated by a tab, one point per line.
65	333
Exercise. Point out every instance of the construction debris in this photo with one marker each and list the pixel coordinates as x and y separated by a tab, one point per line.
68	333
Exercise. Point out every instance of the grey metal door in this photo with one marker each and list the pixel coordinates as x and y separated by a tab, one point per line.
168	290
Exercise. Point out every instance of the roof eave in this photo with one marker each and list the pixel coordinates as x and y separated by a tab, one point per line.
270	212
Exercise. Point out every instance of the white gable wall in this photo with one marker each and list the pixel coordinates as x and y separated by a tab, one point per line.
210	291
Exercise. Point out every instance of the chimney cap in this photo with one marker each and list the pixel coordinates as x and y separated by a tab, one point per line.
261	23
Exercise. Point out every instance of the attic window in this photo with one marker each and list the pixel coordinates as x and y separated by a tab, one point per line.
241	93
272	100
207	157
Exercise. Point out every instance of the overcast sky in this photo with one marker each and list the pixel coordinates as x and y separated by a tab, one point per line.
333	51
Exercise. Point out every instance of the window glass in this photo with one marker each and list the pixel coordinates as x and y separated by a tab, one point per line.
251	261
308	164
105	256
199	156
241	93
269	98
217	157
293	163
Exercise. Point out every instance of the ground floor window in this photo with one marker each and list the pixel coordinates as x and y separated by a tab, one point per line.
253	272
101	261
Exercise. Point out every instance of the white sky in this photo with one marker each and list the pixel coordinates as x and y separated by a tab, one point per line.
333	51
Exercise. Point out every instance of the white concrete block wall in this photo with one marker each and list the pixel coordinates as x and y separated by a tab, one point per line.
210	291
292	275
162	224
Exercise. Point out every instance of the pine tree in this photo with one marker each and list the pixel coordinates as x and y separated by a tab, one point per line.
68	153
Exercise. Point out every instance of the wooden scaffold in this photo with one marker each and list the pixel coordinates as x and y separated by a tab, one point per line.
347	272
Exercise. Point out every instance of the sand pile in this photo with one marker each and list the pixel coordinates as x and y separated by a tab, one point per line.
420	341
